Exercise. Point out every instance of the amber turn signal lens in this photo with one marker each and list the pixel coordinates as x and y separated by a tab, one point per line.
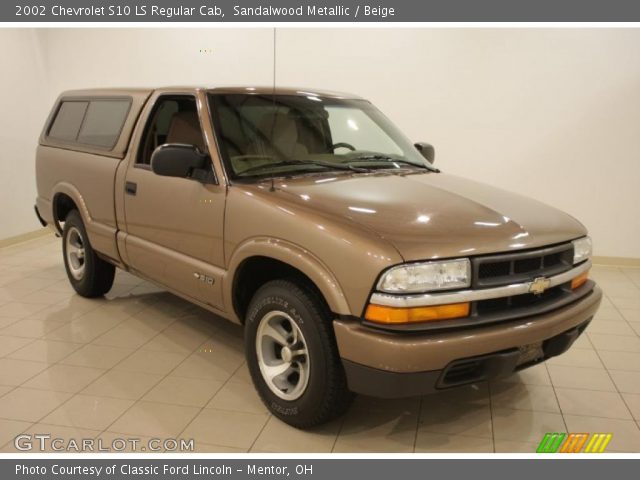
579	280
392	315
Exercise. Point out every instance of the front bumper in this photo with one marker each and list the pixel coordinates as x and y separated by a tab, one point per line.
388	364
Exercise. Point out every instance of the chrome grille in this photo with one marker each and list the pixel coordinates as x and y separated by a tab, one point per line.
494	305
508	268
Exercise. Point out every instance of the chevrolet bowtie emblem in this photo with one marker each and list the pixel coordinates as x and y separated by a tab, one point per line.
539	285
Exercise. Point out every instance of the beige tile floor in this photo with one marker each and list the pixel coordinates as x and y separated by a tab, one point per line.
142	363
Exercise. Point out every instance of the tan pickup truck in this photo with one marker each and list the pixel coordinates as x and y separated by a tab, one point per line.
353	264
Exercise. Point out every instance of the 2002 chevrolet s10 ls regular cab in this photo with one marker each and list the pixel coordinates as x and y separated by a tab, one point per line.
353	264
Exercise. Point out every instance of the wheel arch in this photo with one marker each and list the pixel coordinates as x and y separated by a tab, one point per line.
64	199
263	259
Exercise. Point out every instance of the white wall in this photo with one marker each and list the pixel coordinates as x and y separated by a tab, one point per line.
551	113
150	57
22	115
38	64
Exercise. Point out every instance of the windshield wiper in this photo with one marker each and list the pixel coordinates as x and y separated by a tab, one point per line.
387	158
284	163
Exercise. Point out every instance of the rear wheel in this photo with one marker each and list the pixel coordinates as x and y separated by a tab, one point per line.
292	355
88	274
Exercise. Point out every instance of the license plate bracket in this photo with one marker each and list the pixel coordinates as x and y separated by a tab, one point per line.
530	353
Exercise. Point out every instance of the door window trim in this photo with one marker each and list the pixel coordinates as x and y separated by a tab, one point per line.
147	126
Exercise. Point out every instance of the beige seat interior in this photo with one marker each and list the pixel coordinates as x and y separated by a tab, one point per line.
185	128
283	131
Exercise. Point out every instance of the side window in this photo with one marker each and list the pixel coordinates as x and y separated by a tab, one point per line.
103	122
68	120
174	119
90	122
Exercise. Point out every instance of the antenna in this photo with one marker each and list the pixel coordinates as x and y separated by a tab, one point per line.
273	97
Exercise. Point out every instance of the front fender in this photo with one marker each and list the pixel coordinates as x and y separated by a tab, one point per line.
291	254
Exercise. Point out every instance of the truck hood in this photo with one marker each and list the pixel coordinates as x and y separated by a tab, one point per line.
428	216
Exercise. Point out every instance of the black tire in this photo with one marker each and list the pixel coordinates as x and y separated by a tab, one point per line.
326	395
92	277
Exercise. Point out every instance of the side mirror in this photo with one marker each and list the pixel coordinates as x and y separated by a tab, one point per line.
427	151
177	160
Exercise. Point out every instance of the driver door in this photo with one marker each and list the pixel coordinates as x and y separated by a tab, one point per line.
175	225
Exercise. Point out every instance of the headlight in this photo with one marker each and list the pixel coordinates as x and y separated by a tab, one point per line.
581	250
428	276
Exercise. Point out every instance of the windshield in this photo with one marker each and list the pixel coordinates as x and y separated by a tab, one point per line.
263	135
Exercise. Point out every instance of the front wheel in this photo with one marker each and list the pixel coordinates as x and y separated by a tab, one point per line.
292	355
89	275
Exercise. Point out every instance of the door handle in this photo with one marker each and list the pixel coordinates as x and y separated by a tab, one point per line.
130	188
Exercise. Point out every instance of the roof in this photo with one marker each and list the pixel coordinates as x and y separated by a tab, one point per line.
251	90
270	90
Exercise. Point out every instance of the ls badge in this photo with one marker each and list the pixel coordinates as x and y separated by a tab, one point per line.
204	278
